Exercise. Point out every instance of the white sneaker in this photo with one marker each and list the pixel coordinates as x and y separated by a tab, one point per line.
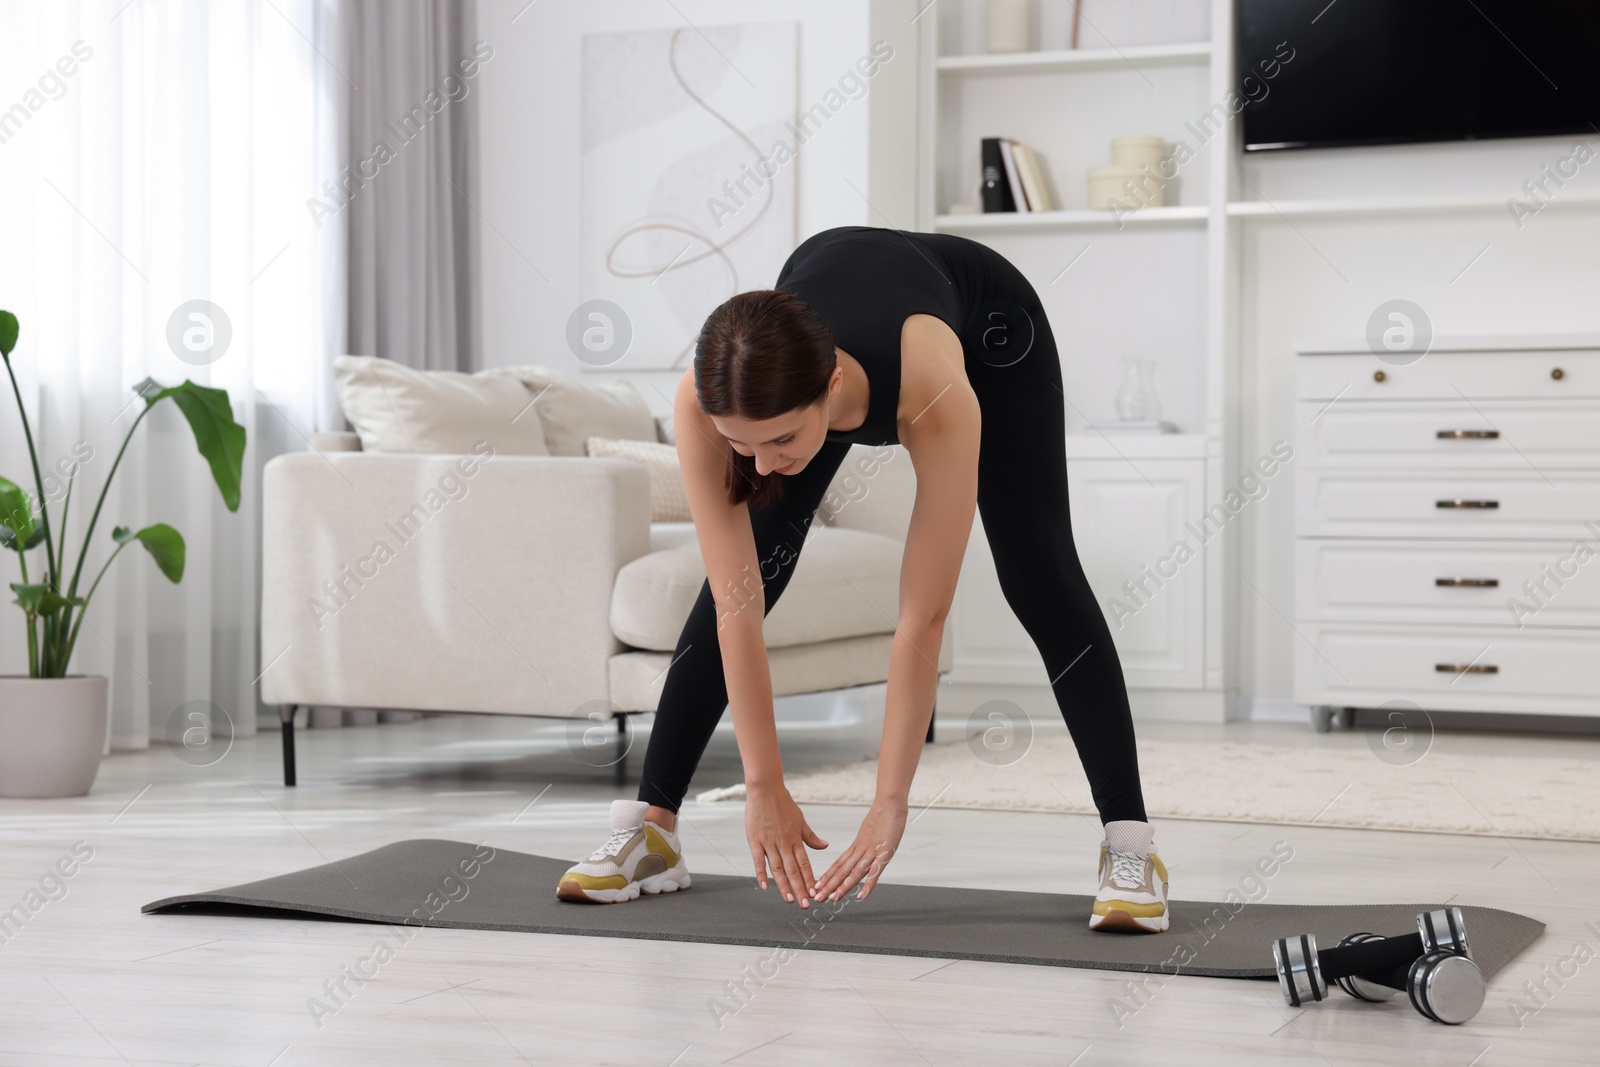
1133	881
638	857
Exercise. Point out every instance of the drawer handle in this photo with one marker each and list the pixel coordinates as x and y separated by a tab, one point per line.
1476	583
1466	668
1466	503
1466	435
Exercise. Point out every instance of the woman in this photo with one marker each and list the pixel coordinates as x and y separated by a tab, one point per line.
875	336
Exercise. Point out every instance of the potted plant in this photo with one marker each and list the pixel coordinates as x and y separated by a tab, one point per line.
53	724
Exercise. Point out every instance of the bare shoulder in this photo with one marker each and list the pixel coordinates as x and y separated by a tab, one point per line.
686	411
684	396
700	447
934	391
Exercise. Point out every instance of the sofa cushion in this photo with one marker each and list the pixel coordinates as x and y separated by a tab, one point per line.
846	584
669	501
572	411
395	408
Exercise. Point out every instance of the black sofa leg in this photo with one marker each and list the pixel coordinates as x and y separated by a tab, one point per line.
931	714
622	748
286	714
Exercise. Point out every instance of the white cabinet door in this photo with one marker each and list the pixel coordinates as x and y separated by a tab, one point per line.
1128	522
1125	522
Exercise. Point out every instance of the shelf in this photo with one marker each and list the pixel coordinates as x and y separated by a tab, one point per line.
1070	220
1414	205
1152	55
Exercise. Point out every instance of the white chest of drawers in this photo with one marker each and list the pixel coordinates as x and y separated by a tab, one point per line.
1447	527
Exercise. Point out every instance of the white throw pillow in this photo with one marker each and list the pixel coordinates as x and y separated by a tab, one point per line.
395	408
573	411
669	502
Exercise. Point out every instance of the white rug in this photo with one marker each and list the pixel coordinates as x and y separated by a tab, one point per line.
1490	796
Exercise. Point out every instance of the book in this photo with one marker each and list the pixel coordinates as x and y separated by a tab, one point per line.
996	191
1032	176
1017	195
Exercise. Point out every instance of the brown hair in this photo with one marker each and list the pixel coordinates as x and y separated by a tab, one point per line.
760	355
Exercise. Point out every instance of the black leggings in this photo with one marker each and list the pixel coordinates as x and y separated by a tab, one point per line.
1022	499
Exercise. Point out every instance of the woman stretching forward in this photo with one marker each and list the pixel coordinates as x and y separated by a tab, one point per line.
876	336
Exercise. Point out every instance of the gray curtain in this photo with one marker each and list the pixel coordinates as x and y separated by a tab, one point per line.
411	180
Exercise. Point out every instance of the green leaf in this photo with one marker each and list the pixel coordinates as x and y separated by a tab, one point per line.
37	598
164	544
16	512
8	333
220	439
9	539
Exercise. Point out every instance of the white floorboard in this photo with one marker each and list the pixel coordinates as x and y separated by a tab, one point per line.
88	980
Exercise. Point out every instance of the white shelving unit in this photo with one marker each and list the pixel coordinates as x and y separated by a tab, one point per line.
1150	217
1167	282
1178	653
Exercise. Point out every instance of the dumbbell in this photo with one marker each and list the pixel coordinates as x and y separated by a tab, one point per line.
1434	966
1442	929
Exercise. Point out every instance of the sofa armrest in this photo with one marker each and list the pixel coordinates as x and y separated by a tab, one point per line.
336	441
445	583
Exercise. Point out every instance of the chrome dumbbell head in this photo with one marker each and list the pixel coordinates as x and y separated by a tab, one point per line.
1444	929
1299	976
1357	986
1445	986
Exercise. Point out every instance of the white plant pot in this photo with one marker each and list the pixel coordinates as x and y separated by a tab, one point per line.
52	732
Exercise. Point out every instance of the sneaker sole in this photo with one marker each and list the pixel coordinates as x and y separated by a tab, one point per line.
1117	919
668	881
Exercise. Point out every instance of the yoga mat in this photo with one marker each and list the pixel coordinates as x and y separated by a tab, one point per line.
434	882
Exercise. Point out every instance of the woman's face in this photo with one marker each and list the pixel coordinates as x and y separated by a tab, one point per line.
783	445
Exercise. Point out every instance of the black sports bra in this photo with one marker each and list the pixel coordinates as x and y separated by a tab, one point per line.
865	282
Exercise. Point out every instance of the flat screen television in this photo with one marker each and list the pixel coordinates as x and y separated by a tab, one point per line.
1367	72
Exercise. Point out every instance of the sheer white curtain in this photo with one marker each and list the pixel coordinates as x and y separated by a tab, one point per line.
153	154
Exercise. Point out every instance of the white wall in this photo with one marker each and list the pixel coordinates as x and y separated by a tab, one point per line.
530	150
1543	277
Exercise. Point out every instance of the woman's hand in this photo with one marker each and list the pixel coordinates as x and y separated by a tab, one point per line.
777	833
868	854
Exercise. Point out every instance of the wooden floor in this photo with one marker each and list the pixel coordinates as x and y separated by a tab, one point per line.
89	980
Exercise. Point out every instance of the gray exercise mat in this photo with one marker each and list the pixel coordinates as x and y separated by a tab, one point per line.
451	883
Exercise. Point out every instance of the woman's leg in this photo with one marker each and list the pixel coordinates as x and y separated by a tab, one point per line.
696	691
1022	497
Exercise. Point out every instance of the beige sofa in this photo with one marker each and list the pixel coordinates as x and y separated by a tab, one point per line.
538	585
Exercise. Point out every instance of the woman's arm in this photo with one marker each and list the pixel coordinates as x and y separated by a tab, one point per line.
943	446
942	435
728	549
776	830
